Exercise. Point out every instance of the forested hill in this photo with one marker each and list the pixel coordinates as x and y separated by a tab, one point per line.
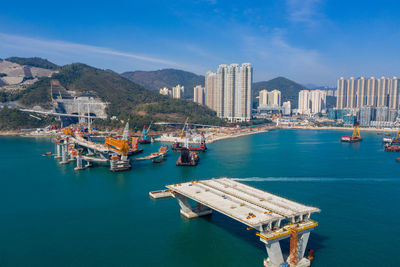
125	98
34	62
154	80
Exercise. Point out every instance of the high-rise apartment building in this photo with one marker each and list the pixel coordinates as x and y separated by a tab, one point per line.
198	95
165	91
341	100
210	85
351	93
228	91
372	88
361	92
304	102
286	108
318	101
274	98
263	98
394	96
383	92
270	99
178	91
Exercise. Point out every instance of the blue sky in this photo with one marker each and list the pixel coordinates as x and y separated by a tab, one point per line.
309	41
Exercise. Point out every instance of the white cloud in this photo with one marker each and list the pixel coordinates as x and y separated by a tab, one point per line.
274	53
304	11
61	48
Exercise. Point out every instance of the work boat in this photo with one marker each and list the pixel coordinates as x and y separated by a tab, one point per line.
356	137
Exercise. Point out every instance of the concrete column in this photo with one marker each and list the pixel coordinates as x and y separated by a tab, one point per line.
183	202
64	154
191	212
274	253
303	240
58	151
79	162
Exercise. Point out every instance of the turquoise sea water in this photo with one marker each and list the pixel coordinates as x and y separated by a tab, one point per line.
51	215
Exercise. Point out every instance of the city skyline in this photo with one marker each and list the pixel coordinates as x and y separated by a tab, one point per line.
312	41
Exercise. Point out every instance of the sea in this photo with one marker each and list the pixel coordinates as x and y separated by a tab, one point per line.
51	215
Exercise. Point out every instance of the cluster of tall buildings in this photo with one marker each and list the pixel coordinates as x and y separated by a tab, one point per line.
228	91
373	101
311	101
175	92
269	99
372	92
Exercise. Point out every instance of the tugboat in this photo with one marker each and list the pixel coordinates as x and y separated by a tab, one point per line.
187	158
356	137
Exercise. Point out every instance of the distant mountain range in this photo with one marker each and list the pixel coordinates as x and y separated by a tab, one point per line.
154	80
130	94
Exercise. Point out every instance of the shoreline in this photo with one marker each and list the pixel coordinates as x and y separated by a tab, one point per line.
337	128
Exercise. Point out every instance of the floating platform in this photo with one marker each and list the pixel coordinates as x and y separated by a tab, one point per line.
160	194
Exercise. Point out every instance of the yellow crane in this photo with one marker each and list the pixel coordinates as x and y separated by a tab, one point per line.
183	128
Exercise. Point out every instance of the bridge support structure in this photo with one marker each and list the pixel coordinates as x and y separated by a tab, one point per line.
273	217
190	211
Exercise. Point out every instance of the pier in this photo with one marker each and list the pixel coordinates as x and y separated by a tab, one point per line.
273	217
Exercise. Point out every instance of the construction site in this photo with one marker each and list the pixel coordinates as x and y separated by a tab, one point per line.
273	218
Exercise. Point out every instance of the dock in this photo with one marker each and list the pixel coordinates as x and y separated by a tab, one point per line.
273	217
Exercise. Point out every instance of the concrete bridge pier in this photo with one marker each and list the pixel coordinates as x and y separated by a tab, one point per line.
191	212
298	244
79	162
58	151
64	154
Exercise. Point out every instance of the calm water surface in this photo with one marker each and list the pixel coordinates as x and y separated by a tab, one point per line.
51	215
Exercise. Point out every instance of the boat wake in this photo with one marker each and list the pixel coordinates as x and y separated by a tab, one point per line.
318	179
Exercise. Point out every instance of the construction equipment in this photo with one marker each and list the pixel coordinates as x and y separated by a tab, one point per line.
144	137
356	137
120	146
183	128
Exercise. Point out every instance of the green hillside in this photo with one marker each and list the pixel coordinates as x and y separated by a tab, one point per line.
13	119
154	80
289	89
126	99
34	62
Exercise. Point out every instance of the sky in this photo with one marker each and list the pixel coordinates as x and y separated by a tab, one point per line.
308	41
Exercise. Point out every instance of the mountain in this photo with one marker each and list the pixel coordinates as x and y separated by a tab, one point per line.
154	80
33	62
289	89
126	99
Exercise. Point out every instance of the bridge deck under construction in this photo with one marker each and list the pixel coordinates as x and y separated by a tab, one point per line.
241	202
257	209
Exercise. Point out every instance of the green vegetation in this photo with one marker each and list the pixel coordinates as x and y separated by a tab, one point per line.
154	80
13	119
289	89
36	94
34	62
126	99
